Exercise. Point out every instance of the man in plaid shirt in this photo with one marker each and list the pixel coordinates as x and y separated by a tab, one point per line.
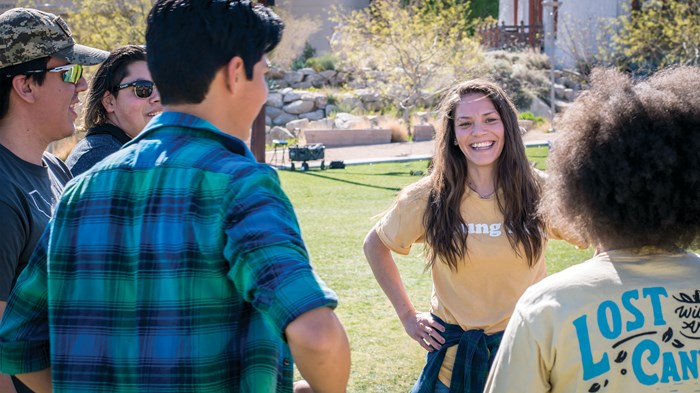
177	264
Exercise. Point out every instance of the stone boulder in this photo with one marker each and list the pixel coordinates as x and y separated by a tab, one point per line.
298	107
316	80
290	95
315	115
275	73
292	77
328	74
274	100
330	109
367	95
349	101
283	118
322	124
297	124
273	111
347	121
278	133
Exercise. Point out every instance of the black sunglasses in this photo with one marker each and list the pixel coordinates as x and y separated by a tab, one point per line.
142	89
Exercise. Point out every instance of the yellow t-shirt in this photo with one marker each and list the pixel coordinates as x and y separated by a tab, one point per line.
482	293
623	321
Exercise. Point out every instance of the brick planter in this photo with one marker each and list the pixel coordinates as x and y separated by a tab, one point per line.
423	133
351	137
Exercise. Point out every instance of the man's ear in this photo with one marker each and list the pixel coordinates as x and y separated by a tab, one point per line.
108	101
24	87
234	73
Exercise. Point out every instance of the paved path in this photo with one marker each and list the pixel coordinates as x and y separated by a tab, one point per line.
390	152
354	155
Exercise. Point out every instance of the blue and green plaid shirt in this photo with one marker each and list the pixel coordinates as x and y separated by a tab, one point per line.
174	265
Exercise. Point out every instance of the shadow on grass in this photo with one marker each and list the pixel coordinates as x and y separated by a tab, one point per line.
406	173
311	173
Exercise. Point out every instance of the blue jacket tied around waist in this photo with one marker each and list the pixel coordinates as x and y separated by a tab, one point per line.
474	357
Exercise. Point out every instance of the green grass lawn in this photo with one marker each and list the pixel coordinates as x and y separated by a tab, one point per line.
336	209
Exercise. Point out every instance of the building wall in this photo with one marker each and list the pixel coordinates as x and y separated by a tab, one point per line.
507	12
54	6
6	5
578	25
320	10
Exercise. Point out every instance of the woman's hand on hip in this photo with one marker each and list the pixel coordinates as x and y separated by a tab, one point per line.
424	329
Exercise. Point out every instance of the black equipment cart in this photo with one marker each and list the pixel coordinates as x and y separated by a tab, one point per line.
307	153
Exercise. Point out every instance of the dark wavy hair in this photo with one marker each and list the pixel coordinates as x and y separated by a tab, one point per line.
626	173
190	40
519	191
108	75
19	69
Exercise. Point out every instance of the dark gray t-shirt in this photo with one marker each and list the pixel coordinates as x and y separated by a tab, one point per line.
28	195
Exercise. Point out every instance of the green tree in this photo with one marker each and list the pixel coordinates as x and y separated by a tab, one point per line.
479	8
408	53
659	34
485	8
106	24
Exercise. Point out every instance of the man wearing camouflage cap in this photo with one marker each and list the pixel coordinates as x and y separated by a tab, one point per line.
40	78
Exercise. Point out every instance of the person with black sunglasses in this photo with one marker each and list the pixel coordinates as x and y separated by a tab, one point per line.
177	264
41	75
121	101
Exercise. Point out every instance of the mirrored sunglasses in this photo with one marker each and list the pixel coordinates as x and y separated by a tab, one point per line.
142	89
70	73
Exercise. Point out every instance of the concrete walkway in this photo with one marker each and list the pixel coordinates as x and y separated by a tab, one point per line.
355	155
390	152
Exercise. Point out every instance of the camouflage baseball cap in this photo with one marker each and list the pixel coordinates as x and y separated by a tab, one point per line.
27	34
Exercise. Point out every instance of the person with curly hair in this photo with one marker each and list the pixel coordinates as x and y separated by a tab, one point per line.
476	214
626	175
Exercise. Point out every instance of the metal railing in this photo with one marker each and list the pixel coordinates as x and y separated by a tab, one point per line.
516	36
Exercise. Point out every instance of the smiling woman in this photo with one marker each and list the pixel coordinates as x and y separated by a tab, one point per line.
479	134
476	212
122	100
626	176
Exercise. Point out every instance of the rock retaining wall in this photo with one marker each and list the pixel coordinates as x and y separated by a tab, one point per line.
286	105
290	109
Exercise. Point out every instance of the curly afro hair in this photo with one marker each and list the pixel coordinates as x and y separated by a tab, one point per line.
626	172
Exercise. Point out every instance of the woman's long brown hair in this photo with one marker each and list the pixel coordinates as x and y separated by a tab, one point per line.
519	191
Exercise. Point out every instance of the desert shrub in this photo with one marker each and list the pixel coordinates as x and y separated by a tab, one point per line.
538	120
523	75
659	34
399	130
321	63
307	53
423	48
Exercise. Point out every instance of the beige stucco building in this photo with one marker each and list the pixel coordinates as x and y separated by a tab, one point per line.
576	24
53	6
320	10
